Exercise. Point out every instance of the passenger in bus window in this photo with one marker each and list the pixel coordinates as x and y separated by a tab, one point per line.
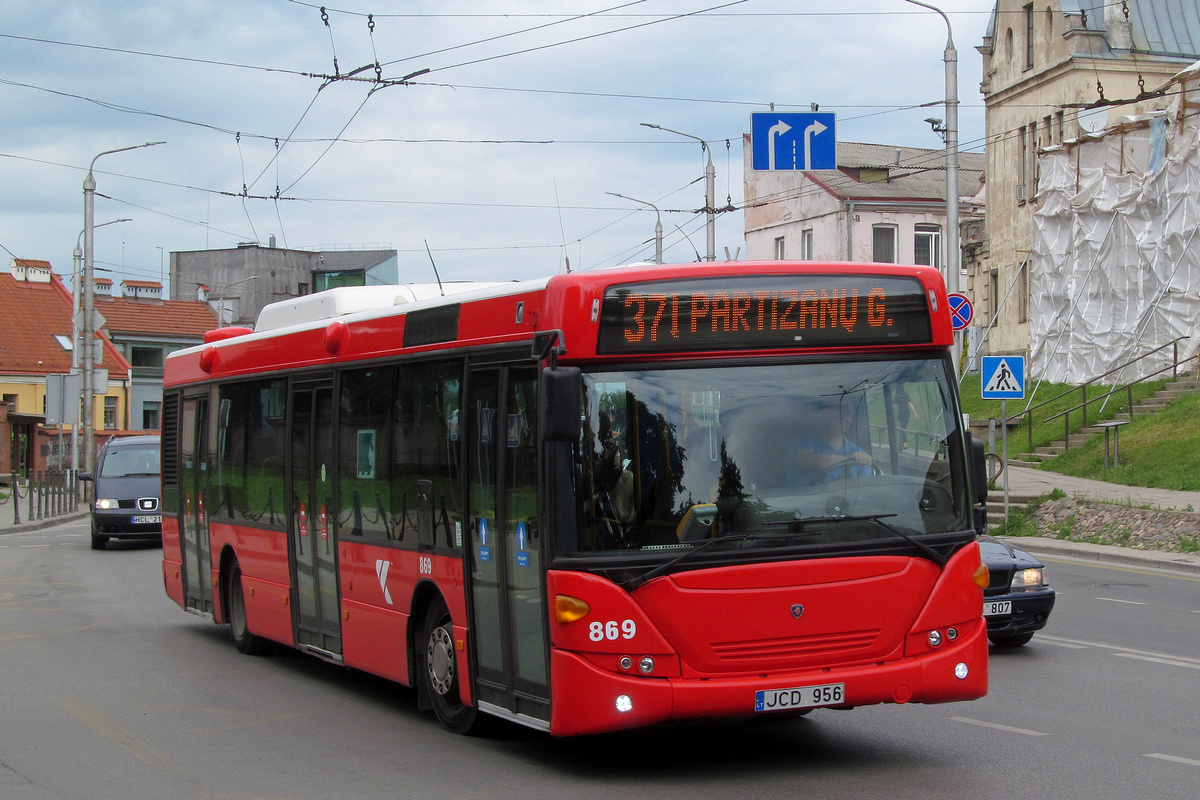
824	453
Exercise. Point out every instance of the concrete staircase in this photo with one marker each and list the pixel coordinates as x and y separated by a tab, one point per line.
995	505
1169	393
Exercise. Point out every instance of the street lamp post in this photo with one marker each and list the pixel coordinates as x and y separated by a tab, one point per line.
221	298
710	191
89	304
76	296
657	225
953	248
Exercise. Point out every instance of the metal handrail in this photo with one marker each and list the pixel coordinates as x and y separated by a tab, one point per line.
1028	413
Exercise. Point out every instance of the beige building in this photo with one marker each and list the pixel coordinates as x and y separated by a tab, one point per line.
1053	71
883	203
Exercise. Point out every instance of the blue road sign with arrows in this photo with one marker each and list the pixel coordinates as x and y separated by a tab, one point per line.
793	141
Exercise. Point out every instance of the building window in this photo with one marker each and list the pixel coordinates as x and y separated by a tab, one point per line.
1023	292
883	244
11	399
806	244
927	245
110	413
1029	36
994	296
146	357
1022	136
150	416
334	279
779	252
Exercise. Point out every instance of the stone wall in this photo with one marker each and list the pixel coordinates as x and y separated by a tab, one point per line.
1116	524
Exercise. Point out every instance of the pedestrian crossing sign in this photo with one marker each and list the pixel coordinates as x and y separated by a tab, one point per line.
1003	378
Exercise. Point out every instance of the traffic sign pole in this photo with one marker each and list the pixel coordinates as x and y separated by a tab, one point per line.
1004	439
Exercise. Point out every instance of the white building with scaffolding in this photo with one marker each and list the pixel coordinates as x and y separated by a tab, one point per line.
1116	245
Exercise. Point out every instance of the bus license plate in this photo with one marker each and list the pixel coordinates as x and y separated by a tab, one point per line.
148	519
799	697
997	608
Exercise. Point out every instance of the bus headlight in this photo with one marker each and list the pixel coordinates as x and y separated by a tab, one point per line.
624	703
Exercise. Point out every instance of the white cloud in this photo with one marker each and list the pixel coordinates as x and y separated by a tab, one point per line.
486	209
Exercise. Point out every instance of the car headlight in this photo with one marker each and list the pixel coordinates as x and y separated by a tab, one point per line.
104	504
1028	578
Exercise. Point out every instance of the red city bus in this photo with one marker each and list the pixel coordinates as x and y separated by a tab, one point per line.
595	501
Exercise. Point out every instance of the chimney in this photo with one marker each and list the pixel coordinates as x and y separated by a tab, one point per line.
201	293
102	287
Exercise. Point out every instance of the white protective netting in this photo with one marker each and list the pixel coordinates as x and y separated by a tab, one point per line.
1115	267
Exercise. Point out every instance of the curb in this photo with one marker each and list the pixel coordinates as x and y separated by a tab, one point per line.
1158	559
46	522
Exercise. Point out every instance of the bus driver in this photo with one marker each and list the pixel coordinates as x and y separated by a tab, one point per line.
824	453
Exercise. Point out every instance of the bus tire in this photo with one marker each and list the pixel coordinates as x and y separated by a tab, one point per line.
439	673
239	630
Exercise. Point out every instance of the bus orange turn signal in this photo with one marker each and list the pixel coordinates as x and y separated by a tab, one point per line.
568	609
982	576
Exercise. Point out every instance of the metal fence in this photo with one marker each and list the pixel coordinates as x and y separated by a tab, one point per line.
46	494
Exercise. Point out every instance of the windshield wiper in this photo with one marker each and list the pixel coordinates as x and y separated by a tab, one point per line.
665	567
930	553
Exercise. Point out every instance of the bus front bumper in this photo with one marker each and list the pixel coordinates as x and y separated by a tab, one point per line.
588	699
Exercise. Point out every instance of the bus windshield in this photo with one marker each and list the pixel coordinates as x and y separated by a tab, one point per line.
851	456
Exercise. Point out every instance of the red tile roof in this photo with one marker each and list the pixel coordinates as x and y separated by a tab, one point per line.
164	317
143	284
31	314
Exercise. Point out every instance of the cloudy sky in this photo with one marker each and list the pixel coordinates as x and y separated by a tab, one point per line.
499	154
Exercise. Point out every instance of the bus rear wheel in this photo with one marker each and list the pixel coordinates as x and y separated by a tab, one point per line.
245	641
439	673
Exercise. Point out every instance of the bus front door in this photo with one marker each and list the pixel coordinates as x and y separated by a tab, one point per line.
194	545
312	521
508	578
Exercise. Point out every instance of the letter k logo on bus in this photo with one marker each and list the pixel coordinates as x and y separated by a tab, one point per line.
381	570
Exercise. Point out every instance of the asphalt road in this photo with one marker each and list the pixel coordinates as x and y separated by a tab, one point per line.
110	691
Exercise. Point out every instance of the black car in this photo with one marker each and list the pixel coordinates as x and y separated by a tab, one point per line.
1017	601
126	498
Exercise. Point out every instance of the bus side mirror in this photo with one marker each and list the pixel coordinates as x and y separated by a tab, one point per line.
560	404
979	476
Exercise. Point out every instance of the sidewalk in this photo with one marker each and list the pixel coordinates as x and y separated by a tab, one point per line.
7	525
1027	483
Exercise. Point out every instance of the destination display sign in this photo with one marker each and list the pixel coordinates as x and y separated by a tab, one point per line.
755	312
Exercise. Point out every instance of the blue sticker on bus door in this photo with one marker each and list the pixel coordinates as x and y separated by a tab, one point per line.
485	552
522	540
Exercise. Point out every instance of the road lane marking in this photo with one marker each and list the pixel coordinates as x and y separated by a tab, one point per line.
1122	650
1172	662
1115	600
1068	645
982	724
1163	572
1176	759
112	731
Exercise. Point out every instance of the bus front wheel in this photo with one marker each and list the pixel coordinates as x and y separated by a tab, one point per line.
439	671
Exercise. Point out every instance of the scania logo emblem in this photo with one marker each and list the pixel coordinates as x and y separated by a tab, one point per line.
797	610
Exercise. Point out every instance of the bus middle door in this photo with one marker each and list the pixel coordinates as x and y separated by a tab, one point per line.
313	520
193	518
508	578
